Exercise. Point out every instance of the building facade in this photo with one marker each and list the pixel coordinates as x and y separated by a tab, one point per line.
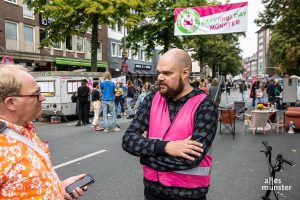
250	65
21	33
263	39
139	65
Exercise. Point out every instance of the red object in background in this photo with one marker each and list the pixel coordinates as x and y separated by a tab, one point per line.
7	60
125	67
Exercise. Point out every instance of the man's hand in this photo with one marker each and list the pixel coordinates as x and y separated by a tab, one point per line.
78	192
184	148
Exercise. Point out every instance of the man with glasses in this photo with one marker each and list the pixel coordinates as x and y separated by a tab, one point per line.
25	171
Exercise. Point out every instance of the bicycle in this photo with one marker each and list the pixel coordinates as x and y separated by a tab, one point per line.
273	168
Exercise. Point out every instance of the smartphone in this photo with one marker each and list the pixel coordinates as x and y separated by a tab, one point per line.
81	183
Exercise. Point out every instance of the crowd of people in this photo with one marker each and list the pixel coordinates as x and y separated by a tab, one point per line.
109	100
266	92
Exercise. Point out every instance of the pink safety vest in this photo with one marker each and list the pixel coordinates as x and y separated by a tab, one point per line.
181	128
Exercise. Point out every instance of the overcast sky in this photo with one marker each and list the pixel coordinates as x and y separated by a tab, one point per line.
249	43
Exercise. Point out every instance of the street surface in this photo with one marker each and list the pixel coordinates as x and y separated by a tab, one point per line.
239	170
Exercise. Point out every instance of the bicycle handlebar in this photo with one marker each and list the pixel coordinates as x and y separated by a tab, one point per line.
289	162
265	143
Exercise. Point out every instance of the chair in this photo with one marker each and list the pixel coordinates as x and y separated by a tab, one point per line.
227	119
240	108
279	124
259	120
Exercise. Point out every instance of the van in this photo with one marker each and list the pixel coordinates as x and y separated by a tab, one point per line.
58	88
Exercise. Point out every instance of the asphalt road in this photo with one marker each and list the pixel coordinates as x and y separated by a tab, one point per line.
239	169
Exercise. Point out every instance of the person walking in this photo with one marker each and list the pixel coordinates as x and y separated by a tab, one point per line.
26	171
254	87
130	97
108	101
118	100
96	105
271	92
83	93
167	130
214	91
243	89
145	92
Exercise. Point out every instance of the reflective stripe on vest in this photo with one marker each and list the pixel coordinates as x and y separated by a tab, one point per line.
21	138
200	171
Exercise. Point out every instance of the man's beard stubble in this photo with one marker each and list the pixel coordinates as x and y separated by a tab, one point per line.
172	92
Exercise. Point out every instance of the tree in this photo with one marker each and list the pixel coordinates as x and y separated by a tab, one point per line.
282	17
220	52
158	27
68	15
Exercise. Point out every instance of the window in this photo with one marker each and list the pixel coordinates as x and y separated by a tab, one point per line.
88	48
136	56
80	47
260	47
261	40
47	88
143	55
57	45
28	39
72	86
11	35
113	49
69	42
89	30
11	1
129	53
27	12
260	53
119	27
119	50
99	51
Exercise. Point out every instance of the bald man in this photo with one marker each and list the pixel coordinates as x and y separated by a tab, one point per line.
25	170
172	133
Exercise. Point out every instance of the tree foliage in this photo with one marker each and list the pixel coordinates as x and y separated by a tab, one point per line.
220	52
158	27
68	15
282	17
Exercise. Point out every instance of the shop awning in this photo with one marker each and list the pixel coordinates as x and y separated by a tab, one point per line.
130	71
139	72
79	62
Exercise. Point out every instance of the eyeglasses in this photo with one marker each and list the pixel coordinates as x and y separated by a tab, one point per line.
38	95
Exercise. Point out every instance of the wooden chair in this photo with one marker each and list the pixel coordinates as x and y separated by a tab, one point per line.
279	124
259	120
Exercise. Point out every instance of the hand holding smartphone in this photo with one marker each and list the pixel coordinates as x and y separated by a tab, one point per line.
81	183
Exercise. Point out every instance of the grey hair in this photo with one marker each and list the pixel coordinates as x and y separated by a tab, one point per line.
9	85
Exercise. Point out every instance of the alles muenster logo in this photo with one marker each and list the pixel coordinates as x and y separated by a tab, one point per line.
188	21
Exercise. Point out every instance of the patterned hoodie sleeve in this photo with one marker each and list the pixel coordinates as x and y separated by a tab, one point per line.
133	140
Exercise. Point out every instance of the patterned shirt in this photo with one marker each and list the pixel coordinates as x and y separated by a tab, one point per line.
24	173
151	151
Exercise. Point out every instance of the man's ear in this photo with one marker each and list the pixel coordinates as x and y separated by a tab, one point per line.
10	103
186	73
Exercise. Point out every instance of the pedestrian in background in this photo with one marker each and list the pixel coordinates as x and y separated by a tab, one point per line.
145	92
83	93
254	87
271	92
124	88
167	130
214	91
108	102
243	89
129	98
26	171
96	105
203	86
118	100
